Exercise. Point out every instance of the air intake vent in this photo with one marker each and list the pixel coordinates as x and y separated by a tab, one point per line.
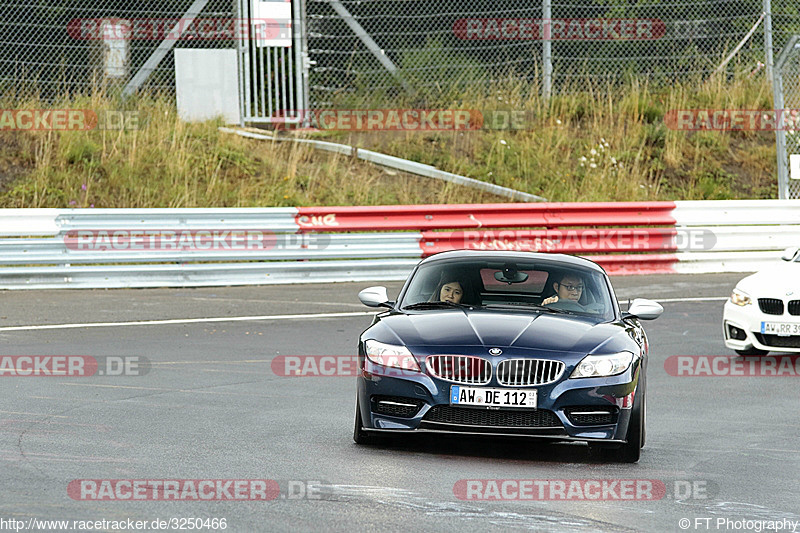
527	418
396	406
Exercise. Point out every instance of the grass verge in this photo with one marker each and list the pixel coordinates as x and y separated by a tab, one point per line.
600	144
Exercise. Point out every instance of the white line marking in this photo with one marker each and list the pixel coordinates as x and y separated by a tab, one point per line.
187	321
266	317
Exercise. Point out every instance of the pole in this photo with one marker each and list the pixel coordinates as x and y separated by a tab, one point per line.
768	39
547	51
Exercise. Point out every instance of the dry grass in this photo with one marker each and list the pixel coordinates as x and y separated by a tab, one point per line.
596	145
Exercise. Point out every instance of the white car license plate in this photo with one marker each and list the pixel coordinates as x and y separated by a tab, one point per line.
782	329
484	397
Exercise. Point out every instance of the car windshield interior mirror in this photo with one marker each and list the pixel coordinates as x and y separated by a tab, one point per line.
510	275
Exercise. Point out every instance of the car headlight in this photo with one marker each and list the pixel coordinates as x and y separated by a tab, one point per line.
595	366
740	297
390	355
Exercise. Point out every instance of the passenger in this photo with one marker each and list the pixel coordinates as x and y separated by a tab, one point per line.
451	288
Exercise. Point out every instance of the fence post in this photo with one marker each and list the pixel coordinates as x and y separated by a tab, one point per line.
368	41
163	49
547	50
768	39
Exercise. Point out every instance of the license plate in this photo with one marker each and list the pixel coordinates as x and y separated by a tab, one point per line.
484	397
782	329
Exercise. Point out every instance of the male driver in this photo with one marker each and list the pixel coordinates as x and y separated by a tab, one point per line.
570	287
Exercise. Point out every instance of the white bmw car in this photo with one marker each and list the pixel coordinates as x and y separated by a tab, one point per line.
763	313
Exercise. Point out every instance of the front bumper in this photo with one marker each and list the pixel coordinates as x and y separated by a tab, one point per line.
569	409
747	323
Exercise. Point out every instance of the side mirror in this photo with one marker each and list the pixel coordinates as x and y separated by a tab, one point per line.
644	309
790	253
375	297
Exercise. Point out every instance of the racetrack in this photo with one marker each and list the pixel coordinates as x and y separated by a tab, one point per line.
211	407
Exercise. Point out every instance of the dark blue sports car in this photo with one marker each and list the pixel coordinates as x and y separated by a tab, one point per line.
506	343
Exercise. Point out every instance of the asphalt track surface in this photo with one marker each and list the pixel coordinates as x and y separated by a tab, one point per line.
211	407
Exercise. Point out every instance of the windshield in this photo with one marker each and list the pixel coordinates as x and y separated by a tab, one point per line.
536	286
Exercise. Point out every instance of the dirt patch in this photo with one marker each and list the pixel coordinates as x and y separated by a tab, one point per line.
15	158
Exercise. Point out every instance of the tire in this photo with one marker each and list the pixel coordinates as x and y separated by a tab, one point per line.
635	436
632	449
603	452
359	435
752	351
644	412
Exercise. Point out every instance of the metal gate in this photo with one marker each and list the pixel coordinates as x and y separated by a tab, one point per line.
787	100
273	62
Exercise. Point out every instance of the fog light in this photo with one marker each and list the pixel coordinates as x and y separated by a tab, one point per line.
736	333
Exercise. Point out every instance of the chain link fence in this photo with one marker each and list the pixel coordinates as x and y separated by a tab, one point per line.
52	48
787	97
370	52
785	22
380	48
443	45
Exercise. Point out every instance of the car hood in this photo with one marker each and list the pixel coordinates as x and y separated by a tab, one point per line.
543	332
773	282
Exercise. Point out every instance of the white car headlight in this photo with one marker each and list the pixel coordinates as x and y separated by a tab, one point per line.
594	366
740	297
390	355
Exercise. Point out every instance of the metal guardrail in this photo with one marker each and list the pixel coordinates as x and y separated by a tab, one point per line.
483	216
25	222
108	248
280	247
276	219
737	212
204	275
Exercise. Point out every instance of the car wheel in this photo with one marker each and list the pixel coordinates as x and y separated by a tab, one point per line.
359	435
631	450
644	412
752	351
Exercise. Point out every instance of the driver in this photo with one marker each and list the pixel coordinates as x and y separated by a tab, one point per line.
569	287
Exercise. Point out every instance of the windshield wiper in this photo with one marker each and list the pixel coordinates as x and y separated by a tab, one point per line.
529	306
436	305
